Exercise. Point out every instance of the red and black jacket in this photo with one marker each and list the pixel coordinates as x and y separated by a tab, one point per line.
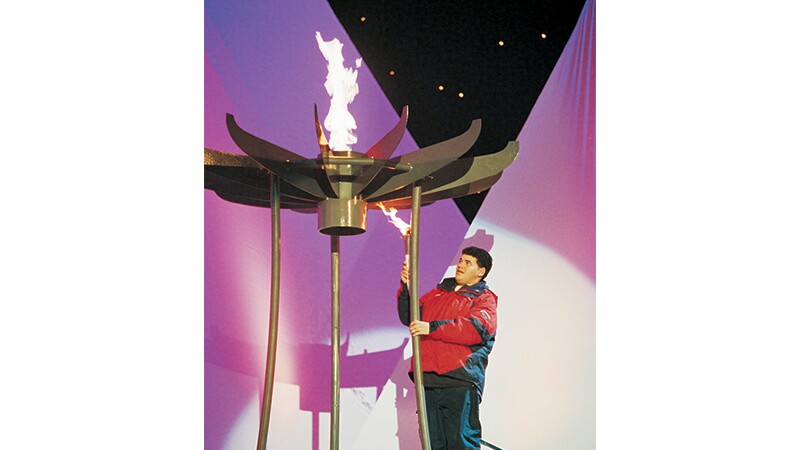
463	325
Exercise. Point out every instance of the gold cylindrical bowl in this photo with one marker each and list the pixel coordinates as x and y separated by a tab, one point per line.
342	216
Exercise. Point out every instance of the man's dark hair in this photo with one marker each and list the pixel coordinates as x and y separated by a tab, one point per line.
483	257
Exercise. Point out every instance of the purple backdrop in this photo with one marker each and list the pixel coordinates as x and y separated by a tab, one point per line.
263	65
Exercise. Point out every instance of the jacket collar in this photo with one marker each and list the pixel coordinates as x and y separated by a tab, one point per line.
449	284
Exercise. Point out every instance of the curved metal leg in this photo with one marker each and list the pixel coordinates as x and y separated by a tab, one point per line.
413	287
274	299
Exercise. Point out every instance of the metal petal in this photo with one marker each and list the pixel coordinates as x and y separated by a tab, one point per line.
461	177
384	148
426	161
274	158
241	175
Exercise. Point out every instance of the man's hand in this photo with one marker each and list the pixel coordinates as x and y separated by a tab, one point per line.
404	273
419	328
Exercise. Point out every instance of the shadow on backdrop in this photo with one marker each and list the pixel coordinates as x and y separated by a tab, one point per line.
313	374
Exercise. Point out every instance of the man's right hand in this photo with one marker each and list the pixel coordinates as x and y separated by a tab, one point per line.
404	273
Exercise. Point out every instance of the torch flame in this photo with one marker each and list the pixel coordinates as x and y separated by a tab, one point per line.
391	213
342	87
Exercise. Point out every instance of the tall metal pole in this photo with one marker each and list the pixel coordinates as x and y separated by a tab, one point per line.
274	299
334	342
422	413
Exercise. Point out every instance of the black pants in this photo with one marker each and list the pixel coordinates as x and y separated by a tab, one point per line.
453	420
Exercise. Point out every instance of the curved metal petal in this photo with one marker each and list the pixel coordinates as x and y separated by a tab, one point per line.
455	192
379	152
461	177
256	147
323	142
273	158
327	182
218	158
223	170
445	150
483	167
426	161
474	187
384	148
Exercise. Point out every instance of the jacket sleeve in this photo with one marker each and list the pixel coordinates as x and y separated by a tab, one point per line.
475	326
403	310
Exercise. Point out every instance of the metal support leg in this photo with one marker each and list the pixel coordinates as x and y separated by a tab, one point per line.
274	299
334	342
422	413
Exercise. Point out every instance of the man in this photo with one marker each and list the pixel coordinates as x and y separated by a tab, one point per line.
457	331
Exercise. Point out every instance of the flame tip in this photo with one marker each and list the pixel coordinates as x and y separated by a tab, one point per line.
400	224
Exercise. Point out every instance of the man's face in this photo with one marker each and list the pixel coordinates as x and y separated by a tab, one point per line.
467	271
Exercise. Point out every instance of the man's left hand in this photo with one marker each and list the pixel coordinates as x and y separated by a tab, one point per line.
419	327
